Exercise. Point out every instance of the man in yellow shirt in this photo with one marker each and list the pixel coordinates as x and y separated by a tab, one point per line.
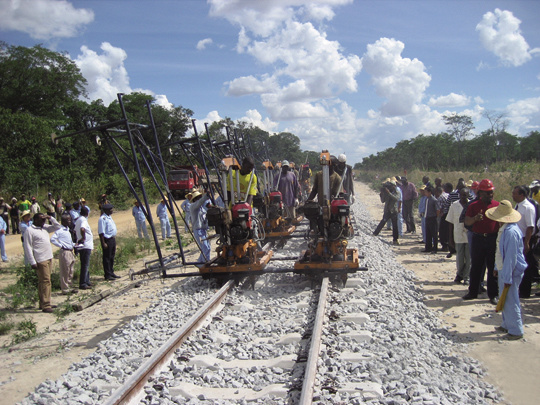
248	180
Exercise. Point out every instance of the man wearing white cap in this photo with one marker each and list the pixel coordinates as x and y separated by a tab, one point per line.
510	266
348	185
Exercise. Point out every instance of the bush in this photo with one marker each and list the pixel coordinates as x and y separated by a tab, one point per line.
27	330
24	292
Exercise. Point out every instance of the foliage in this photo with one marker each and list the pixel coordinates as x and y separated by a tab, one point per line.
440	152
27	330
5	325
38	81
24	292
64	309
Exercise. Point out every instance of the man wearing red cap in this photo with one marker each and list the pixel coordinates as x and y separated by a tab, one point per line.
483	242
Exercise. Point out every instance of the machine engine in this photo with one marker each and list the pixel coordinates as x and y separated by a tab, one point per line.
241	229
339	226
275	206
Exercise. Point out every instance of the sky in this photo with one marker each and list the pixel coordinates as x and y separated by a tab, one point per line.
350	76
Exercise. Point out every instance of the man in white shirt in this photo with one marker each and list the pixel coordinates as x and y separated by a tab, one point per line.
85	245
459	238
526	226
62	239
37	247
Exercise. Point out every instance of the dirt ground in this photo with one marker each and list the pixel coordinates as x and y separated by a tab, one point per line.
511	366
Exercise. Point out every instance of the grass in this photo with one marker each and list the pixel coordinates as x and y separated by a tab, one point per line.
27	329
5	325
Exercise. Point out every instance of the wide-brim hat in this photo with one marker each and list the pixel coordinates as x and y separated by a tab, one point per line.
195	194
469	183
83	200
422	187
25	213
503	213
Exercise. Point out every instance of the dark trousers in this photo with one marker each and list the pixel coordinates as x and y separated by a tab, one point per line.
483	255
444	233
386	217
15	225
530	272
84	277
408	216
432	241
108	257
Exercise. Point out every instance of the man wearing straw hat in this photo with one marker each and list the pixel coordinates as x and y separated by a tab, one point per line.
510	266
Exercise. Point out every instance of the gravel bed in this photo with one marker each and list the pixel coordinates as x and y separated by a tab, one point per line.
412	358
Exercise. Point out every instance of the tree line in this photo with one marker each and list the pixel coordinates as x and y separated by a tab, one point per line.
43	92
457	149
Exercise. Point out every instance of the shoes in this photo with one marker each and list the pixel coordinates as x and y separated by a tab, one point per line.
433	252
421	242
85	287
115	276
449	255
458	280
110	279
469	296
501	329
494	301
396	242
466	281
47	310
525	296
482	289
537	294
512	337
425	251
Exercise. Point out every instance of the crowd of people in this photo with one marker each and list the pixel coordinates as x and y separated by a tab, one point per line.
72	235
486	236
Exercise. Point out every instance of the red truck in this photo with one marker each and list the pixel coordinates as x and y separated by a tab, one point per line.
183	179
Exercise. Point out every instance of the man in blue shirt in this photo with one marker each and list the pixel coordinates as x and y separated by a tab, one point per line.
161	213
432	211
510	265
3	230
140	220
62	239
107	237
186	204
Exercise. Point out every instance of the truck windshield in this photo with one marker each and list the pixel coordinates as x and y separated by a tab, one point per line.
178	176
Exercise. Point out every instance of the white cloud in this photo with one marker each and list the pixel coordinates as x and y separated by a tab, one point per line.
43	19
450	100
255	118
203	43
524	115
250	85
499	33
265	17
105	73
401	81
107	76
311	68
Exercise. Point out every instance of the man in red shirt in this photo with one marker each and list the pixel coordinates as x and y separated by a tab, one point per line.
484	242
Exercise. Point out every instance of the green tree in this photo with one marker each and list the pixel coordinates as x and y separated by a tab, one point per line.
461	127
37	80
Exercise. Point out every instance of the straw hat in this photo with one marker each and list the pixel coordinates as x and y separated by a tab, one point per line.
422	187
25	213
503	213
195	194
469	183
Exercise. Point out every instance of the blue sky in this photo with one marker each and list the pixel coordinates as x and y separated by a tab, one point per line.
353	77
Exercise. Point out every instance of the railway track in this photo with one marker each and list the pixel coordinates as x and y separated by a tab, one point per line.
162	377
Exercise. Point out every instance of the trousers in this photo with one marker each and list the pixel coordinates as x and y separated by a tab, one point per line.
408	216
511	312
483	255
67	262
108	257
44	283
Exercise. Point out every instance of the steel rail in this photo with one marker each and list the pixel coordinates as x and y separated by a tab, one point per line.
310	374
133	387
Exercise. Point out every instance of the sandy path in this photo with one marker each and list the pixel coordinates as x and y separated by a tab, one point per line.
512	366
